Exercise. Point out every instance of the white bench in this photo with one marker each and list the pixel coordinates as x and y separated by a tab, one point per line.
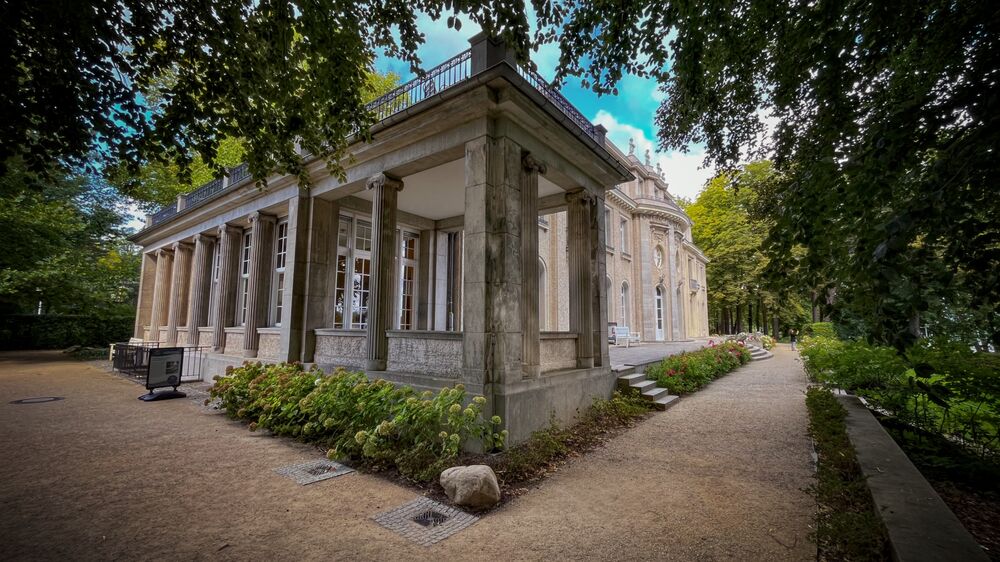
623	335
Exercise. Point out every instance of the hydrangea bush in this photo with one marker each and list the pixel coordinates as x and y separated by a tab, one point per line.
374	421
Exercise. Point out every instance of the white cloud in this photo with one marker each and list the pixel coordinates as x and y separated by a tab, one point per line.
683	171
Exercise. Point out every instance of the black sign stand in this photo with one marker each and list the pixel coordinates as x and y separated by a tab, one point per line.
164	369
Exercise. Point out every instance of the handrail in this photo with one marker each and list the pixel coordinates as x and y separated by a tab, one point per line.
558	100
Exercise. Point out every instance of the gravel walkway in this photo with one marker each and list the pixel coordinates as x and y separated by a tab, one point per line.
101	475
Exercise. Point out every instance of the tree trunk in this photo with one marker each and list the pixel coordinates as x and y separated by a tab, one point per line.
739	318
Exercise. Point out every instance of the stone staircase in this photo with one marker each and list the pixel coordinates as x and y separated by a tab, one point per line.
660	397
758	353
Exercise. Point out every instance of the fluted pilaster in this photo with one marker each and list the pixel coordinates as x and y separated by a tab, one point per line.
579	207
201	285
385	191
181	279
259	285
161	292
530	344
225	299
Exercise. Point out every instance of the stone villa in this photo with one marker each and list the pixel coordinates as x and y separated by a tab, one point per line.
487	235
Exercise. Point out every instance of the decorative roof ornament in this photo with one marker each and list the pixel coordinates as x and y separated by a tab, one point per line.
631	146
659	170
647	157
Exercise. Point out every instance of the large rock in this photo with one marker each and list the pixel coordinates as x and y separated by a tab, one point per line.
471	486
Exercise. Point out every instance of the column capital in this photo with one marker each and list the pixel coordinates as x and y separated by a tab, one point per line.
532	164
164	252
227	228
185	246
581	195
203	238
259	217
384	180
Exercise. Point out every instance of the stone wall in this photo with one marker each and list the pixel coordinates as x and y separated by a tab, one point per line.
234	341
341	348
269	345
205	337
558	351
424	352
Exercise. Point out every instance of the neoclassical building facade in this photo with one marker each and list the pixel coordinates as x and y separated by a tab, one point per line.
655	278
422	265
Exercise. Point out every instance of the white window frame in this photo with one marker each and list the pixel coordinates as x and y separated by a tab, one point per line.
243	294
278	276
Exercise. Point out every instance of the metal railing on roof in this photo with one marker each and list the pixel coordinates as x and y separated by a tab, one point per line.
558	100
450	73
443	76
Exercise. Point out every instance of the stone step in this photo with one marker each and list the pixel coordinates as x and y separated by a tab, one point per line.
626	381
665	402
655	394
644	386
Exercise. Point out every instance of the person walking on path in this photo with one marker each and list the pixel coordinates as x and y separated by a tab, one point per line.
791	336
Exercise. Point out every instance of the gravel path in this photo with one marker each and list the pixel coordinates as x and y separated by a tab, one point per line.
101	475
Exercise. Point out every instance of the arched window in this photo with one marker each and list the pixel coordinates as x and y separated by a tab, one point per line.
625	307
542	303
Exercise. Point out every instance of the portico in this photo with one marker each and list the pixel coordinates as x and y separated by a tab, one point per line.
421	266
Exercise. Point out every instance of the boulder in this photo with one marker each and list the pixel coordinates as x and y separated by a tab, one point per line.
472	486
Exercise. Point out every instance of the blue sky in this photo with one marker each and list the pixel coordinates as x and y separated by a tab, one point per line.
630	114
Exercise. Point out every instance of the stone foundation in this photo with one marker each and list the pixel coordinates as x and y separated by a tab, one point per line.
558	351
427	353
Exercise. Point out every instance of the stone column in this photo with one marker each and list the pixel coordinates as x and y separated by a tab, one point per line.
671	301
181	277
384	189
491	287
259	284
161	293
579	206
144	306
225	301
530	343
598	271
312	273
201	285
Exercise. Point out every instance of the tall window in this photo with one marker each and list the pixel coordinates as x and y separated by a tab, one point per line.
624	303
542	305
407	278
214	293
343	248
278	284
623	230
361	279
609	240
244	291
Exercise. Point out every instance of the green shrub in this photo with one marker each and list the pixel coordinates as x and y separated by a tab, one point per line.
848	528
767	342
939	387
59	331
819	329
689	371
356	418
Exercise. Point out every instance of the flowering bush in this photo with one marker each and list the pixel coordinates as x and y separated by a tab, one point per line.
357	418
687	372
767	342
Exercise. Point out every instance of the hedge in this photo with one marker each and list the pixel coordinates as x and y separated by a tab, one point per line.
58	331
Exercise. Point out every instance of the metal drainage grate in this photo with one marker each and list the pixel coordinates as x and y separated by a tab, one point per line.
430	518
313	471
38	400
425	521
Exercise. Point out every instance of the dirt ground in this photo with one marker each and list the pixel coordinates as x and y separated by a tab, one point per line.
101	475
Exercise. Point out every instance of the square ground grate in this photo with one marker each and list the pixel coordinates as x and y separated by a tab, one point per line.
313	471
425	521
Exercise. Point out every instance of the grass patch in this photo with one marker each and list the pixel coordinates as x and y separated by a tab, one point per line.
847	526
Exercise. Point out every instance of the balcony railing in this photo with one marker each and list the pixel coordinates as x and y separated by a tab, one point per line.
446	75
558	100
438	79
